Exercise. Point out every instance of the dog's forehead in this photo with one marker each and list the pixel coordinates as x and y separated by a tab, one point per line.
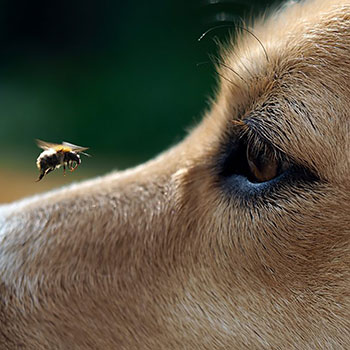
288	77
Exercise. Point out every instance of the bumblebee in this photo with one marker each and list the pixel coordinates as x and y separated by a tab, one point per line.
56	155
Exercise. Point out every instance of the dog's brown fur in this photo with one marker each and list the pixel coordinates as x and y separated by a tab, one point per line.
169	255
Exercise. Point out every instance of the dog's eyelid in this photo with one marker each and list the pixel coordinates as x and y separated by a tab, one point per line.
251	133
252	128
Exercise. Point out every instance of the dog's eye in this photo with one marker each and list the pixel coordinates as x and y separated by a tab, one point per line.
251	166
264	164
255	160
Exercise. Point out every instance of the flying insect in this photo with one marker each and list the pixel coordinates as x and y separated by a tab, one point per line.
57	155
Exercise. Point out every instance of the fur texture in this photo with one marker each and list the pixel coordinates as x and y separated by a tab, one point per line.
181	254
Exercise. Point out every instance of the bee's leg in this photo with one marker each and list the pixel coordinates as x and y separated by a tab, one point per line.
41	175
49	170
64	169
72	168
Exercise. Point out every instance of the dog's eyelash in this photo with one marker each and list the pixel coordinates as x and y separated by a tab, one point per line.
259	132
251	156
251	164
251	167
251	138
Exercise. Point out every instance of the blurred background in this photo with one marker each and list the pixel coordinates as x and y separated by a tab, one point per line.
125	78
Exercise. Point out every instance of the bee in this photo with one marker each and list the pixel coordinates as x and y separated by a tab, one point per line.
56	155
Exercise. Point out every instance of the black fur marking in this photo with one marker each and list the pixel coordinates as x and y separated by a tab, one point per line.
71	157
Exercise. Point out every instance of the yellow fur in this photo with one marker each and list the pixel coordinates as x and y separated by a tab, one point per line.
164	256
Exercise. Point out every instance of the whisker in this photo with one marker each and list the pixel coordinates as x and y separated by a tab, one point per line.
239	27
202	63
239	59
261	44
221	75
229	68
227	79
214	28
214	60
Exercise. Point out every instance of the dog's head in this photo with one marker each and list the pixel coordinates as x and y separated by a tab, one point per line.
236	238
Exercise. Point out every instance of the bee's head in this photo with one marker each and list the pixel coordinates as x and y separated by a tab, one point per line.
72	157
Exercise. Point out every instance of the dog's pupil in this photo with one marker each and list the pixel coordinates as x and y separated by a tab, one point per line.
263	165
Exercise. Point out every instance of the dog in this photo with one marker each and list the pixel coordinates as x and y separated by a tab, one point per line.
236	238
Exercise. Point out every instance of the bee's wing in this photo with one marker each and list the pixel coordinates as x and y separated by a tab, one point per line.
76	148
47	145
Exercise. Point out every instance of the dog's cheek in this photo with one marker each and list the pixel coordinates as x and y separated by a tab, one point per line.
294	239
290	237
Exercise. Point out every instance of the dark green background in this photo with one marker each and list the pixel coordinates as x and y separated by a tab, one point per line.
118	76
